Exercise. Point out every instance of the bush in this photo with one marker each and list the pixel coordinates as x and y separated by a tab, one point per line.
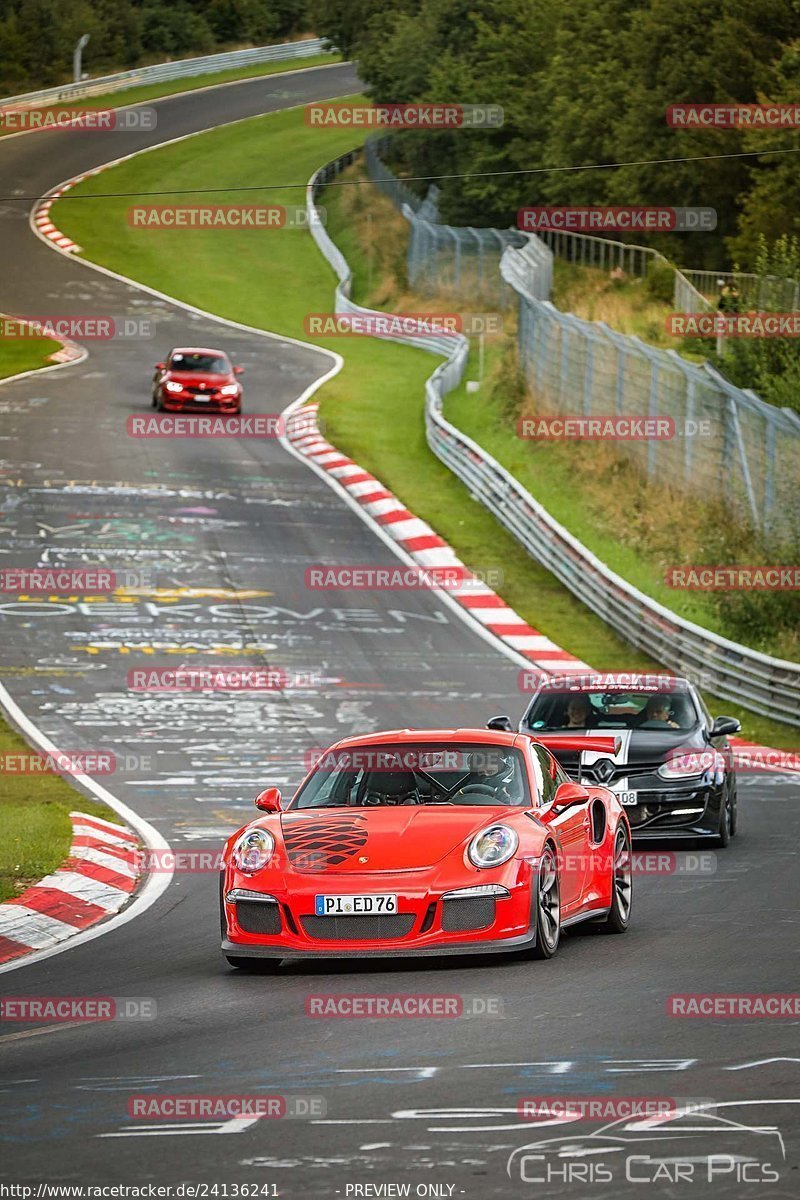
660	281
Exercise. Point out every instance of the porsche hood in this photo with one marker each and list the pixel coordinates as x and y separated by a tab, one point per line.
399	838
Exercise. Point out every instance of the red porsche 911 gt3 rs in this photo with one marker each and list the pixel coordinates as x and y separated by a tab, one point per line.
427	842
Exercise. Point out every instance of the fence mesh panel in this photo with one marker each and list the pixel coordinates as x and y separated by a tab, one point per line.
727	443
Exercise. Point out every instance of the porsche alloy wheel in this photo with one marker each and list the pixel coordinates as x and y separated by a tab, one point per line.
548	906
619	914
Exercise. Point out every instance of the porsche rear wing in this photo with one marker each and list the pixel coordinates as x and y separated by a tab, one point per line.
578	745
563	741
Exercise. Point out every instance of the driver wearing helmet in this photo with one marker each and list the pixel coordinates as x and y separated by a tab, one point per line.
490	779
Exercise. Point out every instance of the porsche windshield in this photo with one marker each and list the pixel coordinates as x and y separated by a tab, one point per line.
431	773
646	710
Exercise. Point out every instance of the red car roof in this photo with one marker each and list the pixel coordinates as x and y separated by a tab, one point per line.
480	737
490	737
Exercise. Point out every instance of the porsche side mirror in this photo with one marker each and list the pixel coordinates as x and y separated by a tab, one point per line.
568	794
500	723
724	725
238	370
161	366
269	800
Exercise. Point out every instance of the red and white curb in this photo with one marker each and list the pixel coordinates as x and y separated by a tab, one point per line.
69	352
41	214
425	547
95	881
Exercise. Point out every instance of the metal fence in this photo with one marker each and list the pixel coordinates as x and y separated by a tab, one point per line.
161	72
448	257
454	346
769	292
758	682
728	444
442	258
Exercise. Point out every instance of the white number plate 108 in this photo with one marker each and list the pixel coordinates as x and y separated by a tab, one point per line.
354	906
627	798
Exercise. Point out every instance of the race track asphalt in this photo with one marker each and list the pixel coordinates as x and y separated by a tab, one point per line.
421	1102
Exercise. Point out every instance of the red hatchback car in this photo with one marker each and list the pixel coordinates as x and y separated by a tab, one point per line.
427	842
197	380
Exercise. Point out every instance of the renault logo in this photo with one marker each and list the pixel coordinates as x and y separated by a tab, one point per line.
603	770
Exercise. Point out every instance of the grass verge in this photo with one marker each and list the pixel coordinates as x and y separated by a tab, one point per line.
625	305
35	829
25	354
374	407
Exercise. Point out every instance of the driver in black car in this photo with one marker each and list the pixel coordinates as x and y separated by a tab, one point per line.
657	709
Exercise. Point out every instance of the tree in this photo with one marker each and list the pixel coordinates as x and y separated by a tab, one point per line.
771	206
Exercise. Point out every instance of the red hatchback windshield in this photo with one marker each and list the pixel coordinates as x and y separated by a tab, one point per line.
200	364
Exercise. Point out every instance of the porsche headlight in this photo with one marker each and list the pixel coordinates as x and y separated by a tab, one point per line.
253	850
493	846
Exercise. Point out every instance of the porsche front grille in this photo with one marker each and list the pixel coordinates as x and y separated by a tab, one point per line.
358	929
461	914
253	916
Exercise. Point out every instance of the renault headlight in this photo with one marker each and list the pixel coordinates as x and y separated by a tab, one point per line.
693	764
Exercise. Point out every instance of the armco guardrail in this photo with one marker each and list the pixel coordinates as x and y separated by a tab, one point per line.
163	72
760	683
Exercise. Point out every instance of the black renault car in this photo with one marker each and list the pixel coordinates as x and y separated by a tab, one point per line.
673	770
